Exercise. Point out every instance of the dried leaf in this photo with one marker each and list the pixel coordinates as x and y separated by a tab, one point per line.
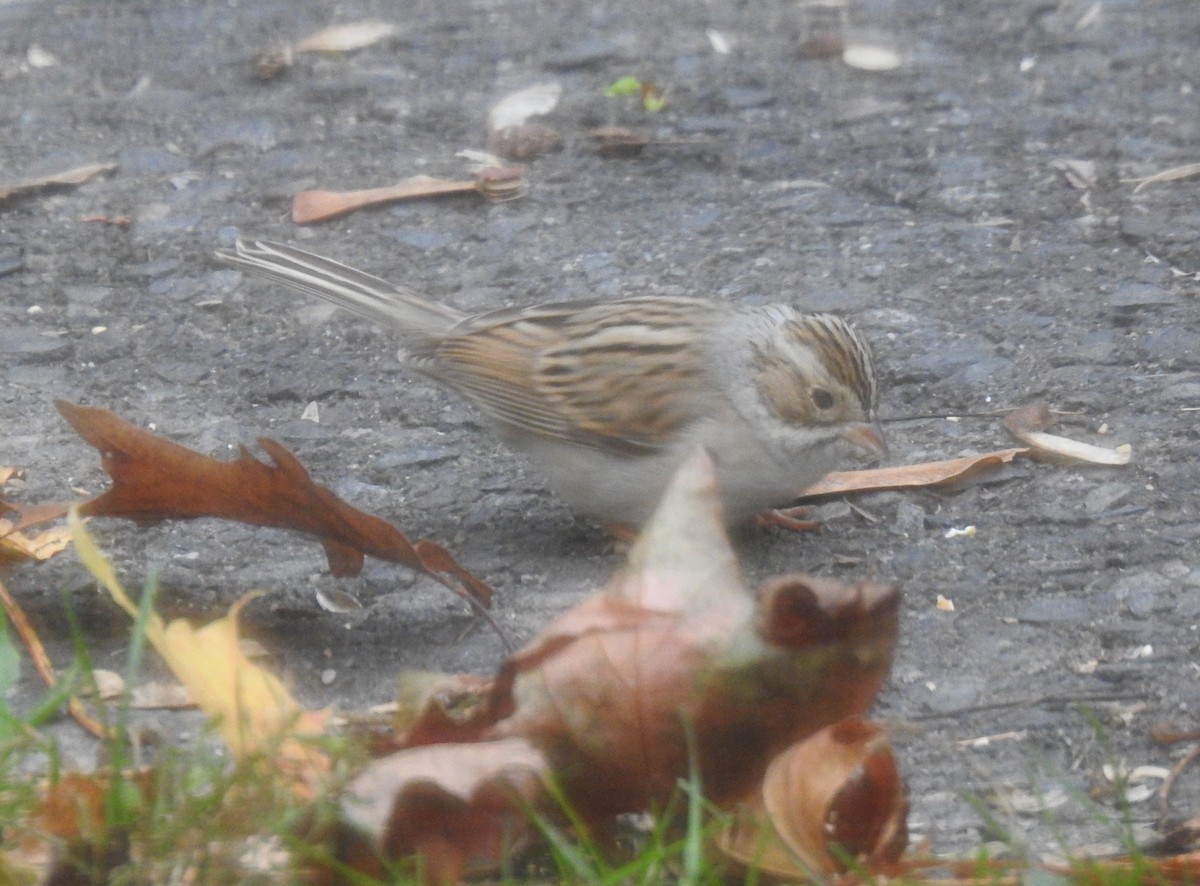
675	661
160	695
1080	174
70	177
497	184
17	546
346	38
1056	447
871	57
934	473
676	638
617	141
518	107
1175	173
250	706
155	479
833	801
459	807
524	142
1027	424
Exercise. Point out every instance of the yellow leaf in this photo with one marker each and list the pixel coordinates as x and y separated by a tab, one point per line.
250	706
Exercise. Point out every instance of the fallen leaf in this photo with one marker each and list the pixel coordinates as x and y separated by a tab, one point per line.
617	141
496	184
871	57
1028	425
17	546
1080	174
831	803
346	38
520	106
934	473
1175	173
677	642
1054	447
155	479
460	807
68	178
251	708
675	664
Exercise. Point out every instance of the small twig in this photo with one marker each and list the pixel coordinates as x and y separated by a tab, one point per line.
1041	701
1164	792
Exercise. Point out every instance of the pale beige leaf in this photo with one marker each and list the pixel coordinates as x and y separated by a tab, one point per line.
518	107
1188	170
1075	450
871	57
76	176
346	38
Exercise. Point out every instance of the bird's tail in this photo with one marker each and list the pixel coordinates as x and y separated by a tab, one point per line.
362	293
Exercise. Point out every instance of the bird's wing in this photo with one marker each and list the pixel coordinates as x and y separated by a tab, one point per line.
622	377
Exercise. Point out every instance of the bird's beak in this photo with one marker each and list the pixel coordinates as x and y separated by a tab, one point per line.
868	437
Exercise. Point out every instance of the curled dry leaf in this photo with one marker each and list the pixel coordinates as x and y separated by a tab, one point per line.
1028	425
68	178
17	546
346	38
1175	173
676	661
833	801
677	641
155	479
460	807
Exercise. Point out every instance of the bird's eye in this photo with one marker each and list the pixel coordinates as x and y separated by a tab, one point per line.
822	399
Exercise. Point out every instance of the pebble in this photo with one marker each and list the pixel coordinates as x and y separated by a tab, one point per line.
910	520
